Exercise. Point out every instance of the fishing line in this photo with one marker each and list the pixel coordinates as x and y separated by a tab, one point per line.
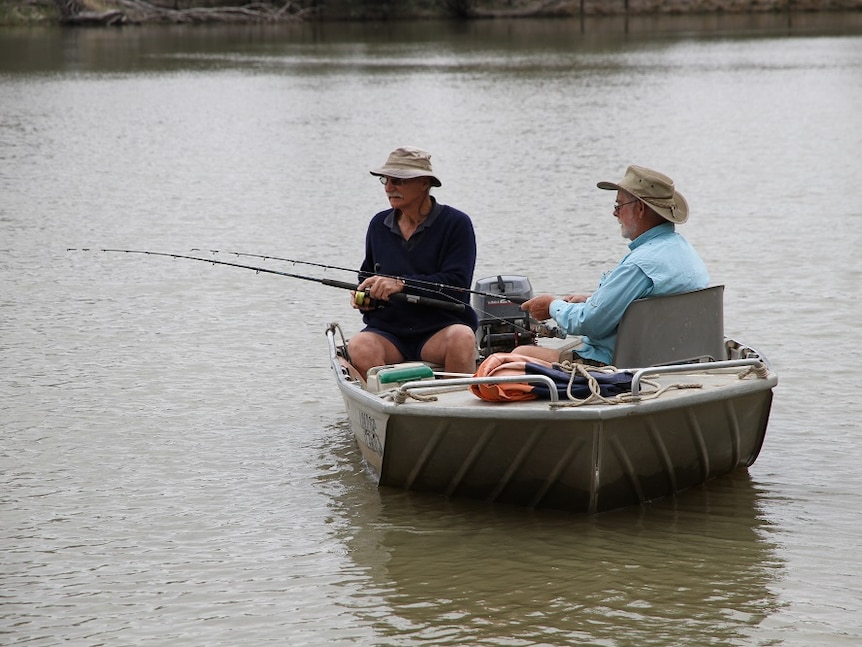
361	297
417	284
451	304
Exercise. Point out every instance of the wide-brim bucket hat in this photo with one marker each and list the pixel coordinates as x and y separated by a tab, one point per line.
407	162
654	189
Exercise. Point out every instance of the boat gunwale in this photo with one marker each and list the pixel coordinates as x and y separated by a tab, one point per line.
542	409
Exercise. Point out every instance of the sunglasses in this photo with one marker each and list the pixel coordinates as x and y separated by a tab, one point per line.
396	181
618	206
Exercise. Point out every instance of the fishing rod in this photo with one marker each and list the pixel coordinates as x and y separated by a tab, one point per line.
417	284
541	329
362	298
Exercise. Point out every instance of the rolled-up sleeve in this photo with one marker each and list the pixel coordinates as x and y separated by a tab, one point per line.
600	315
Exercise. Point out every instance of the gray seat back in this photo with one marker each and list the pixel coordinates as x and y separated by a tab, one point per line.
672	329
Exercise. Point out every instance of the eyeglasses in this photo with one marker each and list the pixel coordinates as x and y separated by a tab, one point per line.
396	181
618	206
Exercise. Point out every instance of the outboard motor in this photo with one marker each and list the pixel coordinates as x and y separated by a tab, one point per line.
502	323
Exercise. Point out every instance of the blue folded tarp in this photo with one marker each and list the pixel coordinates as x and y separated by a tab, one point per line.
610	384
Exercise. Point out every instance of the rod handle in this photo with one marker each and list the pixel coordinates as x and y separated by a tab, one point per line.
452	306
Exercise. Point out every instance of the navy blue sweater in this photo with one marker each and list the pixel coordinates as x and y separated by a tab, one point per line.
442	250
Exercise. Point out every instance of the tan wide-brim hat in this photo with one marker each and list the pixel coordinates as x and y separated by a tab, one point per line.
408	162
654	189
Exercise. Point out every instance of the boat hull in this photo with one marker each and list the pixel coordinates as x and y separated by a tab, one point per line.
582	459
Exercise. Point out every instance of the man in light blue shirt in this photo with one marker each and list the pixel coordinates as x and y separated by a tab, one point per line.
659	262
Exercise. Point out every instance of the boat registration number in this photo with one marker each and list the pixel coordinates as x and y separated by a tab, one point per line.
369	429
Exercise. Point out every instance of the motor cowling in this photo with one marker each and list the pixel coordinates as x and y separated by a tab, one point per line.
502	323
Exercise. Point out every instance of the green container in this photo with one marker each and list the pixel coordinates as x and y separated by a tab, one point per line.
404	374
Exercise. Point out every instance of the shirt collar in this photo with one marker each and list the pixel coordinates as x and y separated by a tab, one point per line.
650	234
392	222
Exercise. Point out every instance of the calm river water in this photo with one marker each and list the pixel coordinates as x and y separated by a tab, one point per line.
175	467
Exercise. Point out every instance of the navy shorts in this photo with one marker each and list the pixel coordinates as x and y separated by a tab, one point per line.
410	346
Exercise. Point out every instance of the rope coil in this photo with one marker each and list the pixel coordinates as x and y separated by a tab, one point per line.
595	397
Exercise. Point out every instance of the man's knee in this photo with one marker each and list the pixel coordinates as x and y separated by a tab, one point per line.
463	337
367	345
456	339
362	342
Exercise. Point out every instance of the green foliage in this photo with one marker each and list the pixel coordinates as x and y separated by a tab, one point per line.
27	12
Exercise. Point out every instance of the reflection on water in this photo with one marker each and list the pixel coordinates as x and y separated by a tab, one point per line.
692	570
215	47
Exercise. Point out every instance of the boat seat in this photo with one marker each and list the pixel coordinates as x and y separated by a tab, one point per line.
672	329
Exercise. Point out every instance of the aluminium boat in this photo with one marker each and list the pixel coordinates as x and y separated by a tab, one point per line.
696	407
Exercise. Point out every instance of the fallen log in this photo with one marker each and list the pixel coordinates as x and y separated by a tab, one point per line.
111	18
74	13
541	8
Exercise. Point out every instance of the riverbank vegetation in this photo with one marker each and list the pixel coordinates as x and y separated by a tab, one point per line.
128	12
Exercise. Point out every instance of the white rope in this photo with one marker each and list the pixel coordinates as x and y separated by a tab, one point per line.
758	371
400	397
575	368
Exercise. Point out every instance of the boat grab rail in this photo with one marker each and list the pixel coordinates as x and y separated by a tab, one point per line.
443	385
690	368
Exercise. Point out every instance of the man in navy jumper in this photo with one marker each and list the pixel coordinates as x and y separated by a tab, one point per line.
416	242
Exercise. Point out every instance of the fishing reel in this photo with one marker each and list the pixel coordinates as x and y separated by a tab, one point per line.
364	300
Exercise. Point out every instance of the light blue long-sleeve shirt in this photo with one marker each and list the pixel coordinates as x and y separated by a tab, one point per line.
659	262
